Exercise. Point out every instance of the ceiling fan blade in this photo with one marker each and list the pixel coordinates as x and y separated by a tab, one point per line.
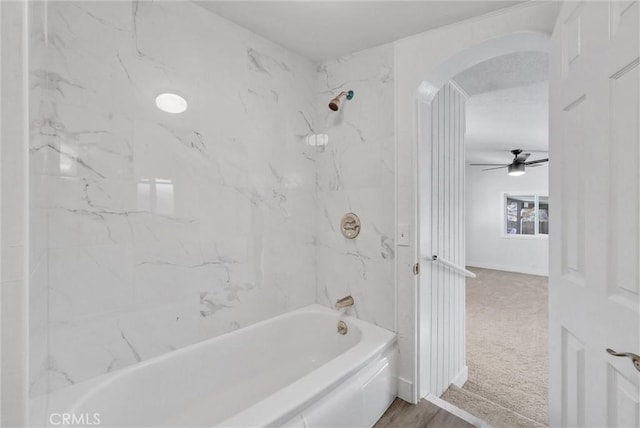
535	165
536	161
499	167
523	157
489	164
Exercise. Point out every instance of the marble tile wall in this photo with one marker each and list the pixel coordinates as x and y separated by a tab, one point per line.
356	173
152	231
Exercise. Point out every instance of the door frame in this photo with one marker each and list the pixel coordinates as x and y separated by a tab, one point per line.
14	225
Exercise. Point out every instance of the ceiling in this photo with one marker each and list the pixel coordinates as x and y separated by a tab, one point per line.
504	72
321	30
507	108
508	104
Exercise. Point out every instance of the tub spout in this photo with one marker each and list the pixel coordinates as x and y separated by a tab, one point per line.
345	302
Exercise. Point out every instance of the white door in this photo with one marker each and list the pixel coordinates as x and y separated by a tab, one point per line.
441	293
595	201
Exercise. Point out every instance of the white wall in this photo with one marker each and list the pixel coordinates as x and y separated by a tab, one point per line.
487	245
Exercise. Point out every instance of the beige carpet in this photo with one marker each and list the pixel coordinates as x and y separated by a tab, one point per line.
507	333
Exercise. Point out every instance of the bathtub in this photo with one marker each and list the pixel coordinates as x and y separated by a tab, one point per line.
292	370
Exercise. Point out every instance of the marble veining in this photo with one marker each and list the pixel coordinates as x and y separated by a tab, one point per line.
356	174
151	231
156	231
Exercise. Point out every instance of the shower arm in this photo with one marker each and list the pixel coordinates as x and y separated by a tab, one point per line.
348	94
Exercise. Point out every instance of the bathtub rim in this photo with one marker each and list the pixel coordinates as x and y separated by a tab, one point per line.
261	413
71	397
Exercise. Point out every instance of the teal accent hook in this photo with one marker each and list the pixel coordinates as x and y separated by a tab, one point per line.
349	95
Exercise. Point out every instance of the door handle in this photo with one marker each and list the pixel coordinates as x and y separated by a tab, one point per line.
635	358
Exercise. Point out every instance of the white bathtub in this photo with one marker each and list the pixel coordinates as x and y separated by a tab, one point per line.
293	370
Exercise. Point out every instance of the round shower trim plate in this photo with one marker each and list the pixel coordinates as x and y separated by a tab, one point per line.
350	225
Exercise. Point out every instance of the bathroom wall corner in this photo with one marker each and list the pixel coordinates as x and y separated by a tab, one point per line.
355	172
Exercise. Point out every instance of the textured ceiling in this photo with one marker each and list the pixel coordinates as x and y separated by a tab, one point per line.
503	72
321	30
508	107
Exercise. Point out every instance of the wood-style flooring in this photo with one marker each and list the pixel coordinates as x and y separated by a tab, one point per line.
422	415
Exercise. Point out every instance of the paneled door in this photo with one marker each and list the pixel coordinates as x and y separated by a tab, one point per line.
594	284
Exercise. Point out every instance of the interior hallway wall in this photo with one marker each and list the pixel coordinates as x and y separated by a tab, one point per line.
487	245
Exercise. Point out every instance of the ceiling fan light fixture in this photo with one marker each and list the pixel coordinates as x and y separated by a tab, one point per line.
516	169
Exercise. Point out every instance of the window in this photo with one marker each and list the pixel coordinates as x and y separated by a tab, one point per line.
526	215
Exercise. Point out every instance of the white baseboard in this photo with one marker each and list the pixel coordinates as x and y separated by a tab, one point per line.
461	378
516	269
405	391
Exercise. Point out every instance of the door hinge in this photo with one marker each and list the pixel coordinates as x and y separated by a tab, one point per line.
416	269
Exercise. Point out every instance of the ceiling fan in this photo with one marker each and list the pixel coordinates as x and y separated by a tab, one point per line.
516	167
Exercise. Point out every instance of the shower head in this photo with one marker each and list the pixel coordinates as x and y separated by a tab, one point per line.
335	103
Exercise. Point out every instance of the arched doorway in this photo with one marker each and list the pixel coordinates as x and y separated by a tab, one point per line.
423	64
441	329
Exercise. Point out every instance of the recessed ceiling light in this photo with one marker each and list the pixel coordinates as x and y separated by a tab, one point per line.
171	103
